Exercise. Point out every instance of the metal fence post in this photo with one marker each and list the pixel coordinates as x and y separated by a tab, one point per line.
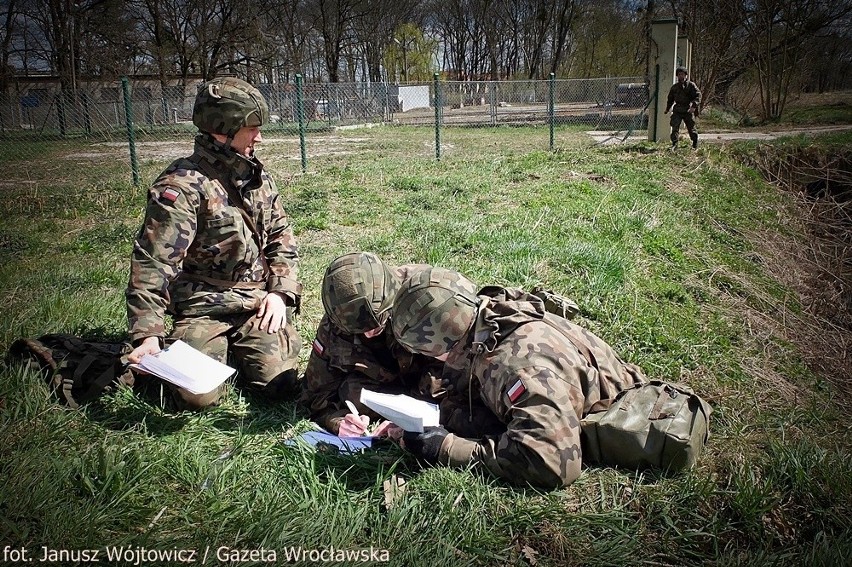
437	116
60	113
128	120
551	107
492	102
300	115
87	117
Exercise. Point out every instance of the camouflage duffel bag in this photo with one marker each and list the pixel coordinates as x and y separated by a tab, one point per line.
652	425
76	369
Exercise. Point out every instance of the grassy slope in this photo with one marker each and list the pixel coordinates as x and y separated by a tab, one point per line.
663	252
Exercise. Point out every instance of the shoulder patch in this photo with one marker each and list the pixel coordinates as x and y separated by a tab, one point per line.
318	347
170	195
516	391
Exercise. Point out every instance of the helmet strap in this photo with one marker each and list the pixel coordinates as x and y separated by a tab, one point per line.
228	140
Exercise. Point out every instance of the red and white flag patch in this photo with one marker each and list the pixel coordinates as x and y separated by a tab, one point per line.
318	348
515	391
170	195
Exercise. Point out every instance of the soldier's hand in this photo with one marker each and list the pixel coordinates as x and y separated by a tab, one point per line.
426	445
353	425
150	345
390	430
272	313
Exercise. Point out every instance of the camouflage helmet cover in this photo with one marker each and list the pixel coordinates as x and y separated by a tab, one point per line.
226	104
357	292
433	311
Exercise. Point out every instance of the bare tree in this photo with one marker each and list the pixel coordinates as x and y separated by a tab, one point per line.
105	39
291	32
374	30
608	40
9	16
448	21
334	20
764	39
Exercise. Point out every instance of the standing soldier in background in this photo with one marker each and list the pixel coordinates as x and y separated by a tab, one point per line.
216	250
683	101
539	374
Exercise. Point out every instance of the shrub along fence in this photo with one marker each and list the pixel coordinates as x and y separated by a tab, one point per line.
126	111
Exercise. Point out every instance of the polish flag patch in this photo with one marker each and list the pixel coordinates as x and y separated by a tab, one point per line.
515	391
318	348
170	195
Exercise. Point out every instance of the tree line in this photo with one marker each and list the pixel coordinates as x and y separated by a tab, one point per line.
764	49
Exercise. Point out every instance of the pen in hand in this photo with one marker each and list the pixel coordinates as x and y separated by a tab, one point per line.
352	408
353	424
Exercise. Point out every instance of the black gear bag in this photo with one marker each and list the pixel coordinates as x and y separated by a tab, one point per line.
76	369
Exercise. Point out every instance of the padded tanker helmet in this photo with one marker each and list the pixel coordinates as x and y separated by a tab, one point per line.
226	104
433	311
358	291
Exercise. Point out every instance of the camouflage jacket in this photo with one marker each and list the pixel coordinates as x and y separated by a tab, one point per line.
337	356
197	255
539	374
683	96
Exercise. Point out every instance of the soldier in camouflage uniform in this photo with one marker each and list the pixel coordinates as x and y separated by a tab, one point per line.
216	250
353	349
538	373
683	102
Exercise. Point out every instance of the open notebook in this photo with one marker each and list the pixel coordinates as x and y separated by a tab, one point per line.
409	413
186	367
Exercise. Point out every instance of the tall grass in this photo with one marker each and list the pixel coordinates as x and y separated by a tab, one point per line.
660	252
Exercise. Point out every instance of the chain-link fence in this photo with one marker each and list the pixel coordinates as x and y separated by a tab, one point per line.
124	111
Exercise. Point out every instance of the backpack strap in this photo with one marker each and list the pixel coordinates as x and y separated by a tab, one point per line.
95	387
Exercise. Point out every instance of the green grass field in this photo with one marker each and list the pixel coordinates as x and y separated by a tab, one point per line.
677	260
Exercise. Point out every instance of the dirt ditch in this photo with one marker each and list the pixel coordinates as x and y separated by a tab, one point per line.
820	272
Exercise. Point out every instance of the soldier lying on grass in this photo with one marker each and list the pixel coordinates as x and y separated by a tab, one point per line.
355	348
539	374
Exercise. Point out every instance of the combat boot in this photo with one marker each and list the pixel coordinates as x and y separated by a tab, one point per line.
694	140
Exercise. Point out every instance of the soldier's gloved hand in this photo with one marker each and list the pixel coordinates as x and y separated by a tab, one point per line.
426	445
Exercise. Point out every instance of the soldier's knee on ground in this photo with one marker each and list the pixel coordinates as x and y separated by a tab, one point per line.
186	400
285	386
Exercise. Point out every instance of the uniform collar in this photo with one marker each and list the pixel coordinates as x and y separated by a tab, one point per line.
242	172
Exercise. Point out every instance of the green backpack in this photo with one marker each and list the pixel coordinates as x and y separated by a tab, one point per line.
77	370
652	425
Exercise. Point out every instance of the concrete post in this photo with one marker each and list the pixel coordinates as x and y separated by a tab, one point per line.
664	55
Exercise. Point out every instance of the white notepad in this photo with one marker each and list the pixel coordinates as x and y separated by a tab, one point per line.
186	367
408	413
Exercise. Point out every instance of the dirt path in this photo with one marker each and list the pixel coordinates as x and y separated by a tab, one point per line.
617	137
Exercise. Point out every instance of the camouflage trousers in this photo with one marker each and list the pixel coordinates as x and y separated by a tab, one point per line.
685	117
267	363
